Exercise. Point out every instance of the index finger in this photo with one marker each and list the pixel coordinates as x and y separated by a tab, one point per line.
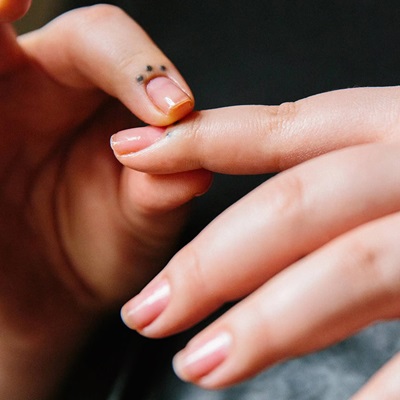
102	47
260	139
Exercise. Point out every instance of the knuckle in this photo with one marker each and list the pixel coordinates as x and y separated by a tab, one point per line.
86	21
276	123
198	277
280	118
287	195
100	12
363	260
88	25
367	269
195	269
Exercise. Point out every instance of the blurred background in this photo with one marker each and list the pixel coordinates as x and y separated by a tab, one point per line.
40	12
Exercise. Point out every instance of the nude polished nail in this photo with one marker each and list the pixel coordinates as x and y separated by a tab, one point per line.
136	139
143	309
167	96
200	357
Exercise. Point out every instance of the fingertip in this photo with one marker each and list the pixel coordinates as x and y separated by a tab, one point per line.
159	194
202	356
155	150
133	140
169	97
159	99
178	370
205	182
124	318
12	10
107	49
143	309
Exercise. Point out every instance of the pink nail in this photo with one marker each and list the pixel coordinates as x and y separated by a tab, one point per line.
143	309
199	358
167	95
136	139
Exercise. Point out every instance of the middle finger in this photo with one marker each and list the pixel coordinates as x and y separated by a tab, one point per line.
275	225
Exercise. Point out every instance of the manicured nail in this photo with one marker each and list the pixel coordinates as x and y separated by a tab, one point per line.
199	358
143	309
136	139
167	96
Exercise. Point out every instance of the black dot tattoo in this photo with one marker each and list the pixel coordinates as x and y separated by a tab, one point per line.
149	68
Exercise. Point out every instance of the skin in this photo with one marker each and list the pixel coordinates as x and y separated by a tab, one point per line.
79	232
13	10
65	260
312	254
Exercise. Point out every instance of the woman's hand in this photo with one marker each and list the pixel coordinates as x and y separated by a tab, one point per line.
79	233
313	251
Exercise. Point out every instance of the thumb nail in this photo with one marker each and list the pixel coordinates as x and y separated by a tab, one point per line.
168	97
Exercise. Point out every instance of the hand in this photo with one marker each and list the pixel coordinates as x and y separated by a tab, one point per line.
79	233
313	251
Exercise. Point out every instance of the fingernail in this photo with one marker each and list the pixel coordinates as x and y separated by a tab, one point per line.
199	358
143	309
133	140
167	96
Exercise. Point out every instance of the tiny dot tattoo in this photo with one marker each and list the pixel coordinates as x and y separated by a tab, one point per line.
149	68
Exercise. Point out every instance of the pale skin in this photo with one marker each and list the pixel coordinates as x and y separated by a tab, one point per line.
313	248
79	233
312	255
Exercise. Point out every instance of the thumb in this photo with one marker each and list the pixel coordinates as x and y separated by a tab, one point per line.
102	47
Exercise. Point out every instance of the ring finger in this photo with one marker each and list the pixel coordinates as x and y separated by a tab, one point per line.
327	296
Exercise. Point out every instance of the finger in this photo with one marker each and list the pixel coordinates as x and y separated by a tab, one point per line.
155	209
259	139
316	302
288	217
384	384
137	216
10	52
155	195
11	10
103	47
